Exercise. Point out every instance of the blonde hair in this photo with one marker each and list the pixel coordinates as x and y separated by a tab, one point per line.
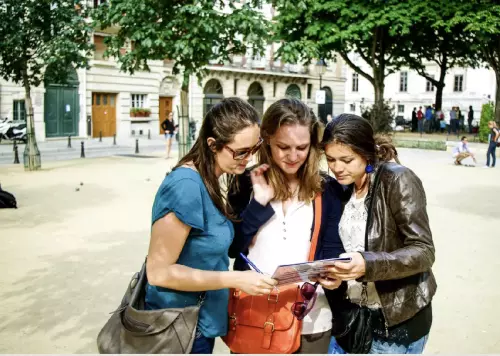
292	112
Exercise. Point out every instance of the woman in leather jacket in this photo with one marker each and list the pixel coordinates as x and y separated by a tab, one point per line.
385	230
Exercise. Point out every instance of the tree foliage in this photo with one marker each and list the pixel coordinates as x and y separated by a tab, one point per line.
189	32
437	39
487	115
481	19
374	30
40	33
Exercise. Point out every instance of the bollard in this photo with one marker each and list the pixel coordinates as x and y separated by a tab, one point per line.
136	146
114	140
14	145
100	136
82	154
149	134
69	141
16	154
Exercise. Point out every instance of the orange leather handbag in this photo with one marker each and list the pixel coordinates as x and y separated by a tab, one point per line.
265	324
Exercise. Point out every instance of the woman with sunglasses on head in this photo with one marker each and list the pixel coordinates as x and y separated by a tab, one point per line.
275	203
385	230
191	227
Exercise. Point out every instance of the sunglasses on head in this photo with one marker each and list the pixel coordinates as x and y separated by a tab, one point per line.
301	309
244	153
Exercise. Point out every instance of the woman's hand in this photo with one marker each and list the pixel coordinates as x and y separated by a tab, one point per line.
328	283
254	283
263	193
347	271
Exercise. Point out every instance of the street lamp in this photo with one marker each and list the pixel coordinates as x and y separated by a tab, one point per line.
320	69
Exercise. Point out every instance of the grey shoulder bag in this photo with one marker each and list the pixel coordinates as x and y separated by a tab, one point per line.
134	330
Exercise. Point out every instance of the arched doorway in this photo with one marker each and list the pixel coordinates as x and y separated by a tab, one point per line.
293	91
256	97
61	104
327	107
213	94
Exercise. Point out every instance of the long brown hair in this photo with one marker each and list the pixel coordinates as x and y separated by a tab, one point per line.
357	133
292	112
222	122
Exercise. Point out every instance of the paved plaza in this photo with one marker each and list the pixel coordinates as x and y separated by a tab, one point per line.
82	230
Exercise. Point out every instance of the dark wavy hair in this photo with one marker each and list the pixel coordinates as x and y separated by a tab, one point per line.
357	133
222	122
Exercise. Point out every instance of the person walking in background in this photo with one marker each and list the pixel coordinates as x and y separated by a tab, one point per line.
420	118
428	120
192	229
462	151
492	144
461	120
385	230
470	118
453	121
414	120
168	126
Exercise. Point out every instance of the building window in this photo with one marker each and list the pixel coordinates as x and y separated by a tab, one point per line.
19	110
353	107
99	2
213	94
458	85
429	86
275	88
401	109
235	92
403	82
100	47
293	91
138	100
355	82
309	91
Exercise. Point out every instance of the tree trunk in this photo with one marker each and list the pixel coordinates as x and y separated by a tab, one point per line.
183	130
443	67
32	159
497	99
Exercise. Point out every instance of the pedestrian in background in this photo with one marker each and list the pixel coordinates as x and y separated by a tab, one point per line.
470	118
420	117
453	121
192	229
493	142
414	120
385	230
168	126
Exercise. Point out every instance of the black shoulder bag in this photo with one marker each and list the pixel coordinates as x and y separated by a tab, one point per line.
353	322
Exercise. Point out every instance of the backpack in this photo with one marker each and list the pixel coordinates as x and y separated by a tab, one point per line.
7	200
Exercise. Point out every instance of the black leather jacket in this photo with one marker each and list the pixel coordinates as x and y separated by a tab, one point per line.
400	250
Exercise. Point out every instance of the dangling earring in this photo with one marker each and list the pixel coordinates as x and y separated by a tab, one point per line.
369	168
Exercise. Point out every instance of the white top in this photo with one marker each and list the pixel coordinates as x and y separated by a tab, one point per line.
461	147
352	233
286	240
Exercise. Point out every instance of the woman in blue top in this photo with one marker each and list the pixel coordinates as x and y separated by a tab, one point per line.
191	230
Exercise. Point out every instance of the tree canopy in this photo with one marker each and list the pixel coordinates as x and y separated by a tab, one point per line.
191	33
40	33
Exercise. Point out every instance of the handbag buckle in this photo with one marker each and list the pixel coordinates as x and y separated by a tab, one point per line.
269	323
232	321
275	300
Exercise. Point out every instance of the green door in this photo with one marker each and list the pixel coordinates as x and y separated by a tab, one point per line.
62	106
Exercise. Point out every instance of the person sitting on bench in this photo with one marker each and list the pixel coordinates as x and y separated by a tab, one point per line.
462	151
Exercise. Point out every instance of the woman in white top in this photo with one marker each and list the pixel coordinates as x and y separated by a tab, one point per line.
276	208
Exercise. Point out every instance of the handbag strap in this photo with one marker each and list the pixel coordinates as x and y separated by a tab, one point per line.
317	225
